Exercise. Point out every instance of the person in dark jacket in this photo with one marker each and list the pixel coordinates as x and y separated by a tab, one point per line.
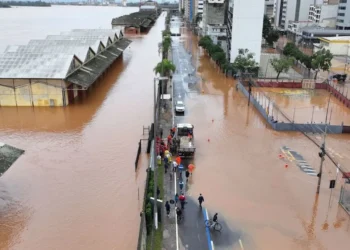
187	175
167	207
200	200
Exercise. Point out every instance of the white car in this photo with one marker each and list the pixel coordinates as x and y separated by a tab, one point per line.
180	107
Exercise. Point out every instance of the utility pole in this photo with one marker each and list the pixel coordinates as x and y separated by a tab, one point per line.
323	150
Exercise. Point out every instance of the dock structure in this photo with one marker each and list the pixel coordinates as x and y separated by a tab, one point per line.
57	70
137	22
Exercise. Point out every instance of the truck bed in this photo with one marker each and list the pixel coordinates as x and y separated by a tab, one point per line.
185	143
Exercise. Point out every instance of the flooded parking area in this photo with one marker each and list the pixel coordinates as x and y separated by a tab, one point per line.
307	106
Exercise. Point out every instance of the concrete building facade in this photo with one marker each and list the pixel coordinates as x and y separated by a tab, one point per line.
339	46
292	11
343	15
270	8
317	13
244	27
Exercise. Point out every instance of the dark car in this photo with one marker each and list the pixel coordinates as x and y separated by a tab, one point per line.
340	77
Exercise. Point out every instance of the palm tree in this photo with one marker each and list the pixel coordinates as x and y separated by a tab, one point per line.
164	68
166	44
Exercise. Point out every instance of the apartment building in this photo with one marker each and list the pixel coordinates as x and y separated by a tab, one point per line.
200	4
343	15
244	27
318	13
270	8
293	11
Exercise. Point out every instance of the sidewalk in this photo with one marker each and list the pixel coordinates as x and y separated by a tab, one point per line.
191	232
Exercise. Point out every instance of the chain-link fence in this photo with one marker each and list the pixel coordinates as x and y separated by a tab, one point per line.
345	196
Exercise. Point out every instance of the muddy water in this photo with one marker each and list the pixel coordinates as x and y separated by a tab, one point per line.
268	206
309	105
76	187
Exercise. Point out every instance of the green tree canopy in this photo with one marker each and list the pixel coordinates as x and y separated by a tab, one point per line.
322	60
272	37
245	62
267	27
164	68
166	33
205	42
281	65
290	49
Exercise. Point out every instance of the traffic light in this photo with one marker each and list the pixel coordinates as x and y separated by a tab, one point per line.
332	184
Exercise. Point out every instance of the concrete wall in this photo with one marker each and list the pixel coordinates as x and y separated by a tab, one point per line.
35	92
306	128
215	14
247	23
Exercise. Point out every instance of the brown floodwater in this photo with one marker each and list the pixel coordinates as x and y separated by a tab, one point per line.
76	186
242	178
305	106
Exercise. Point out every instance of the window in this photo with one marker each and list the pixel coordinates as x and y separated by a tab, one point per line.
340	21
343	1
342	7
341	14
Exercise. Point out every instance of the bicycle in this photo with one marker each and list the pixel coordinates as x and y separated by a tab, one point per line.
211	224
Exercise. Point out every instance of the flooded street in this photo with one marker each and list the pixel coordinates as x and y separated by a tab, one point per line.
76	187
267	205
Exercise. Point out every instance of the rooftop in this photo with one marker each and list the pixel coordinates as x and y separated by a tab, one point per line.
344	39
136	19
59	56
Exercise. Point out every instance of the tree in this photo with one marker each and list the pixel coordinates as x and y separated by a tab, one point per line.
198	18
290	49
281	65
306	60
214	49
166	45
266	26
164	68
166	33
322	60
220	58
272	37
245	62
205	42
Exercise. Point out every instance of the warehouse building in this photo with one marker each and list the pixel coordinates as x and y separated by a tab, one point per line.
54	71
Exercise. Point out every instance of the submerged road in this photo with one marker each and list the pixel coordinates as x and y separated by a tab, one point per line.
263	202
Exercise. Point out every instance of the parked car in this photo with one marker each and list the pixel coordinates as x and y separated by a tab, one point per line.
340	77
180	107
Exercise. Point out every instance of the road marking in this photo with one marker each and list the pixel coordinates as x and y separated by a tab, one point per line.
241	244
176	226
212	245
206	217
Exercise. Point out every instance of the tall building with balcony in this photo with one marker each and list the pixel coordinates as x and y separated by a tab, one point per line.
318	13
244	27
292	11
213	14
343	15
270	8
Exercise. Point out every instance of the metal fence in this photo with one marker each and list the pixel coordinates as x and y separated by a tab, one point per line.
345	196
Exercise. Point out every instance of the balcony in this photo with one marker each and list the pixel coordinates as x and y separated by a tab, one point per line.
216	1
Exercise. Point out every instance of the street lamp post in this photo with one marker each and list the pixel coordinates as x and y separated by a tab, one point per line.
323	149
155	129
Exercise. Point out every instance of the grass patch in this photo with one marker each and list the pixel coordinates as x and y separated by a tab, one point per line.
158	234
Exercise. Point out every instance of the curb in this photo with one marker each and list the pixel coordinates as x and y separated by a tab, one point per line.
206	217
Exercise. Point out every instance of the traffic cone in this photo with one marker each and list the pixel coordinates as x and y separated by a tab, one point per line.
280	156
286	166
208	140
